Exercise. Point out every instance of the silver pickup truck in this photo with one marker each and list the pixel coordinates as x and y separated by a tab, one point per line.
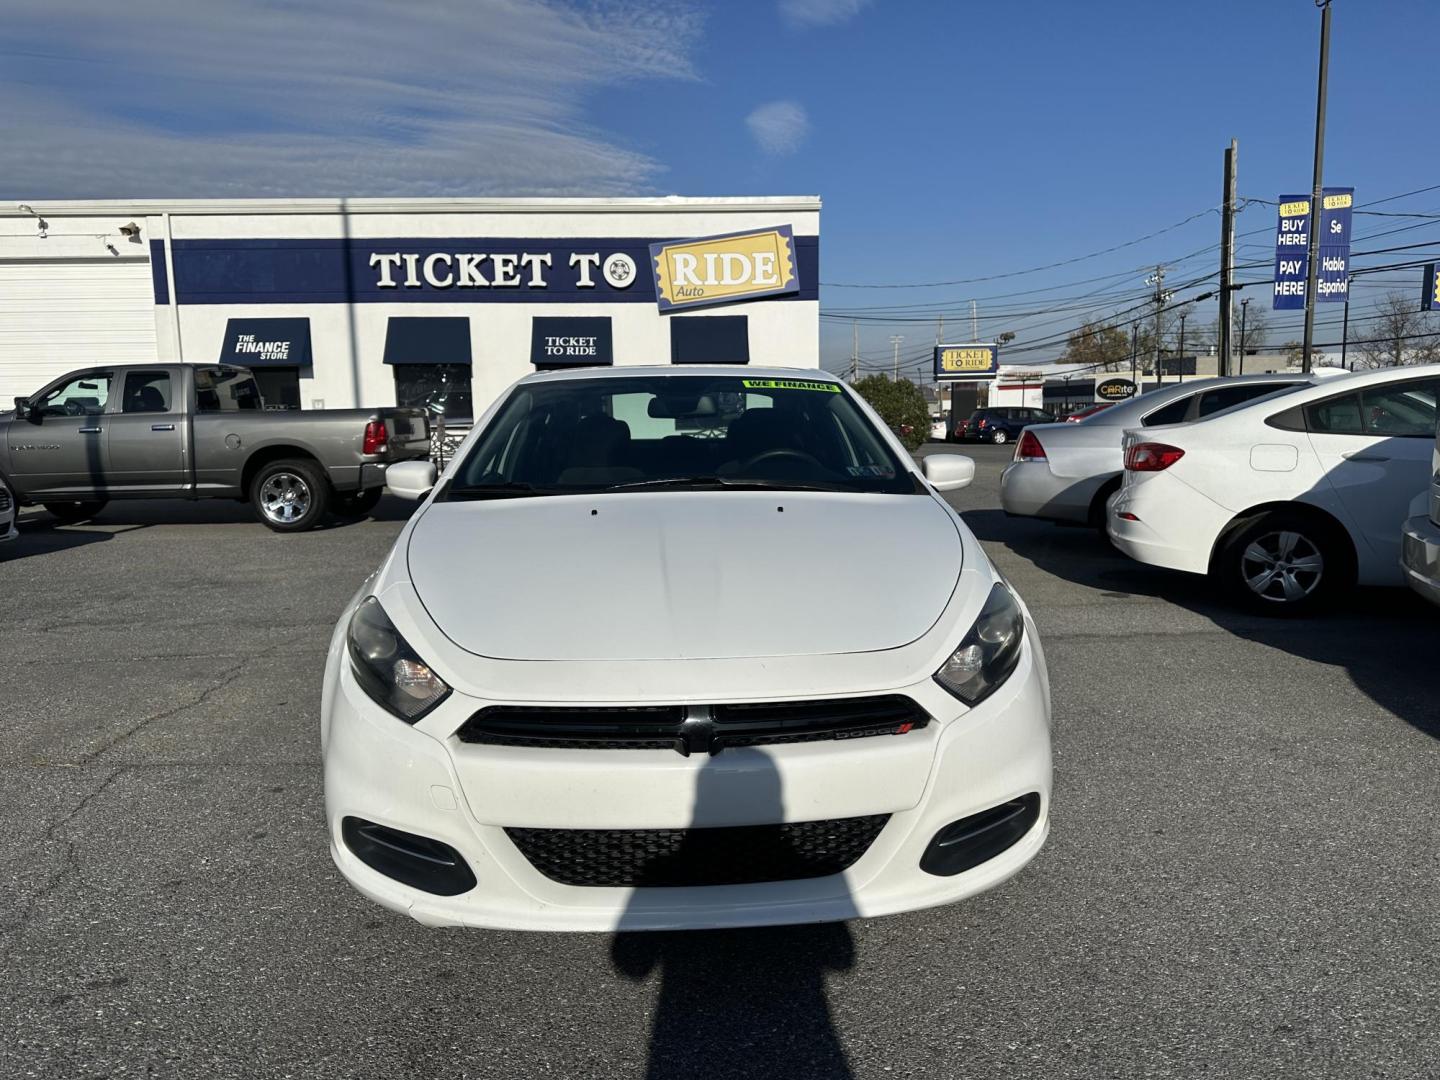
195	431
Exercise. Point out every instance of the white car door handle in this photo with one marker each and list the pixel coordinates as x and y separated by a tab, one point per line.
1360	455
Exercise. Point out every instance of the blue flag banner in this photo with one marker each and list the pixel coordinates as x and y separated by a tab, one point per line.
1336	207
1292	236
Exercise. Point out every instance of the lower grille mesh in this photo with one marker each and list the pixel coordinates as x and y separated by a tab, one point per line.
744	855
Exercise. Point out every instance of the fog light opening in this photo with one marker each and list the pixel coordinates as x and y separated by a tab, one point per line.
965	844
417	861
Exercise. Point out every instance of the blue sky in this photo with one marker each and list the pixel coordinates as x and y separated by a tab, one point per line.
948	140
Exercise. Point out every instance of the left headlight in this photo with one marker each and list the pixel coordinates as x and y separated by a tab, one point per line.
989	652
388	669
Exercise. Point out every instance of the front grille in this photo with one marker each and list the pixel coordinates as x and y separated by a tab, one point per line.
694	729
660	858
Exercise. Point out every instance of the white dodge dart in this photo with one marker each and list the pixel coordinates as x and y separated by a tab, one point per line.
672	647
1289	500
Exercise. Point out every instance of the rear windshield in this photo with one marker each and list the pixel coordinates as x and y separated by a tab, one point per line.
678	431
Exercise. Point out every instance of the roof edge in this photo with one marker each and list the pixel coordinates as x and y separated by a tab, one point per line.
558	205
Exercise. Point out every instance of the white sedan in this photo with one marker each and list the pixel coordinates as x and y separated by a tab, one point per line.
1286	501
1066	472
641	661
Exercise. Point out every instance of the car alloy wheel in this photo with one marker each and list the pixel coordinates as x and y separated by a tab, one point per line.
285	498
999	436
1283	567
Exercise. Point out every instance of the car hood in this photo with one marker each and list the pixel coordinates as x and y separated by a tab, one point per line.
684	575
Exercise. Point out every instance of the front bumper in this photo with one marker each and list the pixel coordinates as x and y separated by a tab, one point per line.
1420	556
464	796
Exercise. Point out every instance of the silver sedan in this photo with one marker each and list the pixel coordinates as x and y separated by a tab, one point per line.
1067	472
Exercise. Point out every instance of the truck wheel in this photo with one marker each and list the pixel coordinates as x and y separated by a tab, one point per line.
290	495
355	504
72	513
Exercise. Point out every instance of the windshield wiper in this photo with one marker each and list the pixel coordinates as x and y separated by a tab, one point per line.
737	483
509	489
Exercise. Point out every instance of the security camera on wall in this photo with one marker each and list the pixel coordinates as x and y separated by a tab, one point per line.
131	231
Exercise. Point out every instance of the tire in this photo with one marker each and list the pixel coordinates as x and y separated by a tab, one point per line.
72	513
290	495
999	436
1284	563
1098	507
355	504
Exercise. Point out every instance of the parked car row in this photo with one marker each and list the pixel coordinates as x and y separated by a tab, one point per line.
1286	490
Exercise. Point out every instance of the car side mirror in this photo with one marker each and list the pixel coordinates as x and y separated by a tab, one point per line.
23	409
410	479
949	472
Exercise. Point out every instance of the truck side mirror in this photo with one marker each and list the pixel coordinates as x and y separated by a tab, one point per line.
23	409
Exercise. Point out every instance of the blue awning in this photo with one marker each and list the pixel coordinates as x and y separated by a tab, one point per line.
709	339
418	340
262	343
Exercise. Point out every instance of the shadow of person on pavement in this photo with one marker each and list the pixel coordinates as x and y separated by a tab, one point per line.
736	1003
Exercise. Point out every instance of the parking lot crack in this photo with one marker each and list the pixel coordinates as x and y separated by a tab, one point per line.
68	862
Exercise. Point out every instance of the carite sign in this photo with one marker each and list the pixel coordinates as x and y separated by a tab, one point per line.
723	269
1292	235
1114	390
965	362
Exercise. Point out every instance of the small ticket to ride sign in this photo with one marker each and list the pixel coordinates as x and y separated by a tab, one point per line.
966	361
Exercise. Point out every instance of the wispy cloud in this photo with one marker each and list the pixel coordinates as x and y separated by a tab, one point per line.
820	12
359	97
779	126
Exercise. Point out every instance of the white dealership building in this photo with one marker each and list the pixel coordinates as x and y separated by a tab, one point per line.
348	302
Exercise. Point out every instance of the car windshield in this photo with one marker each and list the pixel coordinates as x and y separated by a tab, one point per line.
675	432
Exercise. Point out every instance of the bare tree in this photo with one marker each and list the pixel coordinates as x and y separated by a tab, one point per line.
1393	334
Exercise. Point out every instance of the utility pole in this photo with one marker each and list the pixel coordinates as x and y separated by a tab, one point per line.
1158	280
854	350
1244	304
974	321
1313	271
1227	254
1180	361
895	340
1135	355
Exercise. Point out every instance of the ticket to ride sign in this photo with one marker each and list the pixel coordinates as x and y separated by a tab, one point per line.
957	362
722	269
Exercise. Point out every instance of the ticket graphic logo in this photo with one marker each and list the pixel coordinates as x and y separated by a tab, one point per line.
723	269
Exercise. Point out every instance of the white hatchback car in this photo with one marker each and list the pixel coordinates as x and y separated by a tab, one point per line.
1288	500
1067	472
646	658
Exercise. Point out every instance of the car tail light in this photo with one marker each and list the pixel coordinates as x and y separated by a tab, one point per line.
1152	456
1029	448
376	437
983	423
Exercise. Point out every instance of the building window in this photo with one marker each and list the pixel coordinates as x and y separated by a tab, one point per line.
709	339
437	388
279	387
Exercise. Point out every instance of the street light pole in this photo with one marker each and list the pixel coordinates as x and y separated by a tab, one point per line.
1245	303
1345	331
1313	271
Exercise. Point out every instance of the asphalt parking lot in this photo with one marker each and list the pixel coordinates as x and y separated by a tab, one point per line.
1242	879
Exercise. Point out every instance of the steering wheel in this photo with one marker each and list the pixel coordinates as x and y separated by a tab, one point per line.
778	453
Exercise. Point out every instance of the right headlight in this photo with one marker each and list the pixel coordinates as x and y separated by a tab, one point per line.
987	654
388	669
